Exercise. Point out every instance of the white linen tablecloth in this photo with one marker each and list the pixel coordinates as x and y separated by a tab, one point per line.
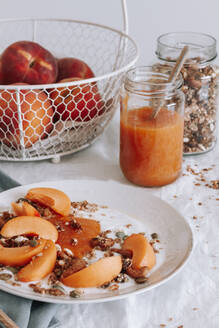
191	298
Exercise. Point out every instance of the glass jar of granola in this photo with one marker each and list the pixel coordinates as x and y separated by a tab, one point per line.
200	85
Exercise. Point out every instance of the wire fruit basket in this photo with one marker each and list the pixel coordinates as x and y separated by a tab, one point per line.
51	120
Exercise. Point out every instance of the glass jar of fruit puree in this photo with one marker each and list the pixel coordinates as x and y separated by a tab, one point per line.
199	85
151	127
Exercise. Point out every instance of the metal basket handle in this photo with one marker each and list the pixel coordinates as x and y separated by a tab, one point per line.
125	16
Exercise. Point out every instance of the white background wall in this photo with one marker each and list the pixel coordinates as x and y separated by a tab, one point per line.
147	18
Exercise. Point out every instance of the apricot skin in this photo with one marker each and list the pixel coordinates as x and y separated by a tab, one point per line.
41	265
18	256
96	274
56	199
142	252
29	225
24	209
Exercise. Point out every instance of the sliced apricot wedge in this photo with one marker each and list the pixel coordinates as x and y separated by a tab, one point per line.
18	256
56	199
142	251
29	225
24	209
41	265
96	274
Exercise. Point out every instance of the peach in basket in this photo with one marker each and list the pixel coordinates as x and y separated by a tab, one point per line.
79	102
36	113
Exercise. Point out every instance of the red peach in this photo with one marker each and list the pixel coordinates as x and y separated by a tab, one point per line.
72	67
78	102
1	75
26	61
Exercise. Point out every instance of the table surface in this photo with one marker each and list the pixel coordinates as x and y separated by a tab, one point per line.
191	298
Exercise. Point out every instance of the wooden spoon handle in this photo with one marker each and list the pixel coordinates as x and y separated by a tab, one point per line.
6	321
179	64
173	75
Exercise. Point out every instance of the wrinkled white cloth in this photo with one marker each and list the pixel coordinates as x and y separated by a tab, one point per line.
191	298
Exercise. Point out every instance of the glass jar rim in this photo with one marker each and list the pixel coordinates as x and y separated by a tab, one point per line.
144	80
201	45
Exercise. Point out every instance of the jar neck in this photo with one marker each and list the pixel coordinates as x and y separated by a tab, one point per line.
144	81
202	47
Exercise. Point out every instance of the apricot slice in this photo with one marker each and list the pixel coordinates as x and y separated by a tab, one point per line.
56	199
18	256
24	209
96	274
142	251
78	241
42	264
29	225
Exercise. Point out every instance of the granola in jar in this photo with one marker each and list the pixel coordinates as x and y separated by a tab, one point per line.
200	86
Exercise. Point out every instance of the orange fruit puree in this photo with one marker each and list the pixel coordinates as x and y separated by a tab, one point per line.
89	229
151	148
